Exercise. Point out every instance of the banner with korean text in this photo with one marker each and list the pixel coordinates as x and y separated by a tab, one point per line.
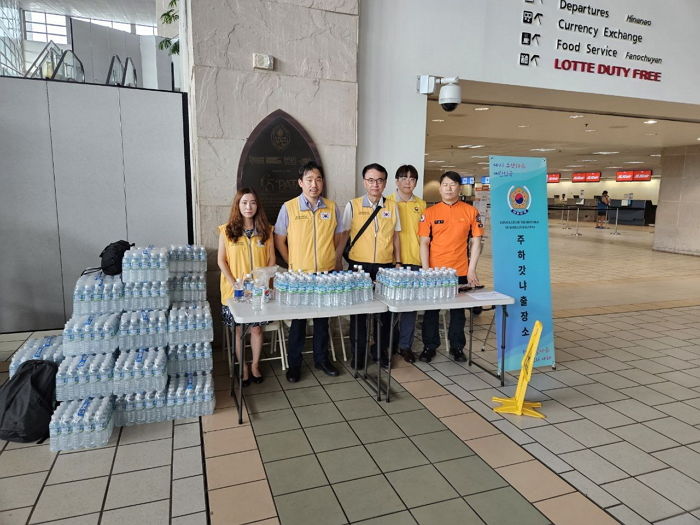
520	247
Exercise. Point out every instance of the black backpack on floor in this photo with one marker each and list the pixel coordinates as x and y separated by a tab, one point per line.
27	401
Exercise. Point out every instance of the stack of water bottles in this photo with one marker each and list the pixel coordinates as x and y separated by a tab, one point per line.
186	359
98	293
79	424
401	284
187	395
91	334
48	348
323	290
190	324
187	259
145	264
141	370
188	287
143	329
87	375
147	295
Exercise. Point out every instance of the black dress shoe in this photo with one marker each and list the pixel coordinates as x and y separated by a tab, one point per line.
257	379
408	355
459	356
246	382
327	369
427	355
293	374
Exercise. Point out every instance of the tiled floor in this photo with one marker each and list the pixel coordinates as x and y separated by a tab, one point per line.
622	427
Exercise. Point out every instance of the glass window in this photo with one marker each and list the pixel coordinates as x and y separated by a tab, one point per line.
105	23
58	39
122	27
145	30
32	16
37	28
56	30
38	37
58	20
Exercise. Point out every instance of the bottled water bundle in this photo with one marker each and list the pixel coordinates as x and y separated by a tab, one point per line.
145	264
141	370
423	285
98	293
84	376
186	359
323	290
91	334
189	395
47	348
146	295
187	287
81	424
143	329
187	325
190	304
187	259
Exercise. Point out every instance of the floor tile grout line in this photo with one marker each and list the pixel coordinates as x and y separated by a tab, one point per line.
109	478
43	486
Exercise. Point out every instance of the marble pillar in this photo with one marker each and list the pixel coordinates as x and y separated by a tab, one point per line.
314	44
678	214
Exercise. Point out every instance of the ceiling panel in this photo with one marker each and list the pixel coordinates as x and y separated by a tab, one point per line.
129	11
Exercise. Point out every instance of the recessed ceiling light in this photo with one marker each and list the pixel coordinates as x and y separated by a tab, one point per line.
438	120
590	130
482	162
523	126
436	161
575	116
587	160
634	162
655	155
565	170
612	167
605	152
476	146
650	121
426	154
651	134
481	109
446	166
574	165
465	146
543	149
697	138
480	156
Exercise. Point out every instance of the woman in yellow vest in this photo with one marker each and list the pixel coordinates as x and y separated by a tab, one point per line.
245	243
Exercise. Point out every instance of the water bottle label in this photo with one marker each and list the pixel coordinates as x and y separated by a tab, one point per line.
139	355
84	407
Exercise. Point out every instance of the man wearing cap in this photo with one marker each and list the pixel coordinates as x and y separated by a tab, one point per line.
378	247
411	209
308	235
444	230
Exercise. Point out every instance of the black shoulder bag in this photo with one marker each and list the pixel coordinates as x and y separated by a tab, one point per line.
350	244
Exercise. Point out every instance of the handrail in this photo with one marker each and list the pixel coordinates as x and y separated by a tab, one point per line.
114	79
129	70
62	63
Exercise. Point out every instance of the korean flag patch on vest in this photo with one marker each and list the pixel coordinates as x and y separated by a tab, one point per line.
325	215
386	214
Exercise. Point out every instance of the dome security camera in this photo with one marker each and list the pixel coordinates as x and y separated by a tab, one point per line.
450	93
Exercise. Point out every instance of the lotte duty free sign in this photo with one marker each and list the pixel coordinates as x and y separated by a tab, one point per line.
519	227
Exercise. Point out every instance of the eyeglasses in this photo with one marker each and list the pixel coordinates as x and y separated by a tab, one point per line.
375	181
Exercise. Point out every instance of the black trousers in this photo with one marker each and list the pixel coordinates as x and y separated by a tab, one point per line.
297	339
360	321
455	333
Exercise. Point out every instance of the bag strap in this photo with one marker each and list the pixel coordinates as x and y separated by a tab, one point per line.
364	226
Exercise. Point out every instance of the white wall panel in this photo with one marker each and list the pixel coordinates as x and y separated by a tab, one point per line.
154	167
88	167
31	295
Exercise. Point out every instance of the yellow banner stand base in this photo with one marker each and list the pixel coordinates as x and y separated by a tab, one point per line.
517	404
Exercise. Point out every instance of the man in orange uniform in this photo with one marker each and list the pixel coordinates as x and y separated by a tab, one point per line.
443	231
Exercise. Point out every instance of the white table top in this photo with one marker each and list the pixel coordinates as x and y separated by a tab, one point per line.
461	300
274	311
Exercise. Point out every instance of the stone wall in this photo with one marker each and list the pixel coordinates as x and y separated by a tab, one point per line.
314	43
678	214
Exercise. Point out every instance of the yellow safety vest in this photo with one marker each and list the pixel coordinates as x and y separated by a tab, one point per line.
243	257
376	244
410	213
310	236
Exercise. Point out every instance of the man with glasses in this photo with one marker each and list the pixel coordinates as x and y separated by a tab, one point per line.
308	234
377	247
444	230
411	209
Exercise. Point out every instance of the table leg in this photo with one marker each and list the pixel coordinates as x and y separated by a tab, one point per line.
471	334
391	345
357	364
379	357
368	321
504	315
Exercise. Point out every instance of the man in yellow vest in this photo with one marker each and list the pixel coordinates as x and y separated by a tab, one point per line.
308	234
379	246
410	209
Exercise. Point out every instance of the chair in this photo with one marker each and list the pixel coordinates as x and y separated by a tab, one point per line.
277	340
330	337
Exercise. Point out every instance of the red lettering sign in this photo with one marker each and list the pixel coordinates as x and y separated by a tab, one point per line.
642	175
591	176
553	177
633	176
624	176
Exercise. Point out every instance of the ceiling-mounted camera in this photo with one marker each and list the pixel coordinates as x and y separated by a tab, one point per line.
450	94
